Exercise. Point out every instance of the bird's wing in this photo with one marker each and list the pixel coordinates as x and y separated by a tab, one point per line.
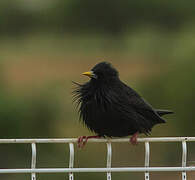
141	106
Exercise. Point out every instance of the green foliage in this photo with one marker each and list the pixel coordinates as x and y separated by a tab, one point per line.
175	90
113	17
26	116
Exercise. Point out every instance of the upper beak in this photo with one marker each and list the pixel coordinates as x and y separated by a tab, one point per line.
89	74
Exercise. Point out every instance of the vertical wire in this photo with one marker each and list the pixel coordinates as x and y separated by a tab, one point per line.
184	159
147	159
109	159
71	160
33	161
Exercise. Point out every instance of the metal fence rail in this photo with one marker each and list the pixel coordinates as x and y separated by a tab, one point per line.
146	169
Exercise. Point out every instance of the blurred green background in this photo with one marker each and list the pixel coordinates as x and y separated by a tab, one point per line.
45	45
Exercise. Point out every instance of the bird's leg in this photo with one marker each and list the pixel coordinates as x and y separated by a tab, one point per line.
80	140
83	140
133	139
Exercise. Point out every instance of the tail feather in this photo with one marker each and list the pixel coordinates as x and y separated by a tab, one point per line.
162	112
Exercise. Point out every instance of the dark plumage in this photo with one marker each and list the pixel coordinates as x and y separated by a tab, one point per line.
110	108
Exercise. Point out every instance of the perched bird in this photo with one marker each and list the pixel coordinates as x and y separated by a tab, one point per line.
110	108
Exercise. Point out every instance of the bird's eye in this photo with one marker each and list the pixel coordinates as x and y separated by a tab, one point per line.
95	76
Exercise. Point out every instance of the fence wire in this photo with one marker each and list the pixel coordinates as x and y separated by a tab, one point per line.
108	169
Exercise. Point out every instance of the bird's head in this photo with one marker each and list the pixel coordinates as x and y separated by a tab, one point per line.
102	71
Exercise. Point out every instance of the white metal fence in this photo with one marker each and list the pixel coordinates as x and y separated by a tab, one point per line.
109	169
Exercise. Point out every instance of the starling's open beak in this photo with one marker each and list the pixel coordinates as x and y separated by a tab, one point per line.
90	74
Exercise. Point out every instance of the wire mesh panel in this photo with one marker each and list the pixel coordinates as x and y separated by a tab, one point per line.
184	159
109	157
33	162
147	159
146	169
71	161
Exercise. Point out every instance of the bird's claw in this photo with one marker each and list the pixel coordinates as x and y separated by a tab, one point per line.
133	139
82	140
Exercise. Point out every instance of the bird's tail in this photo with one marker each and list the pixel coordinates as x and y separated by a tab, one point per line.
162	112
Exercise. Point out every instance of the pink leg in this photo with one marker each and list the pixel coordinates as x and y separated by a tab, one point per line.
133	139
83	140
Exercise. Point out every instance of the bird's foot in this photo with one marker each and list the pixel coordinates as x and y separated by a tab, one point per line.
133	139
82	140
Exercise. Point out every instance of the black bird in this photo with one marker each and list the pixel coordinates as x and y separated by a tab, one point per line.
110	108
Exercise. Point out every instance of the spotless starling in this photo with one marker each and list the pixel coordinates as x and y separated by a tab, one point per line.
110	108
